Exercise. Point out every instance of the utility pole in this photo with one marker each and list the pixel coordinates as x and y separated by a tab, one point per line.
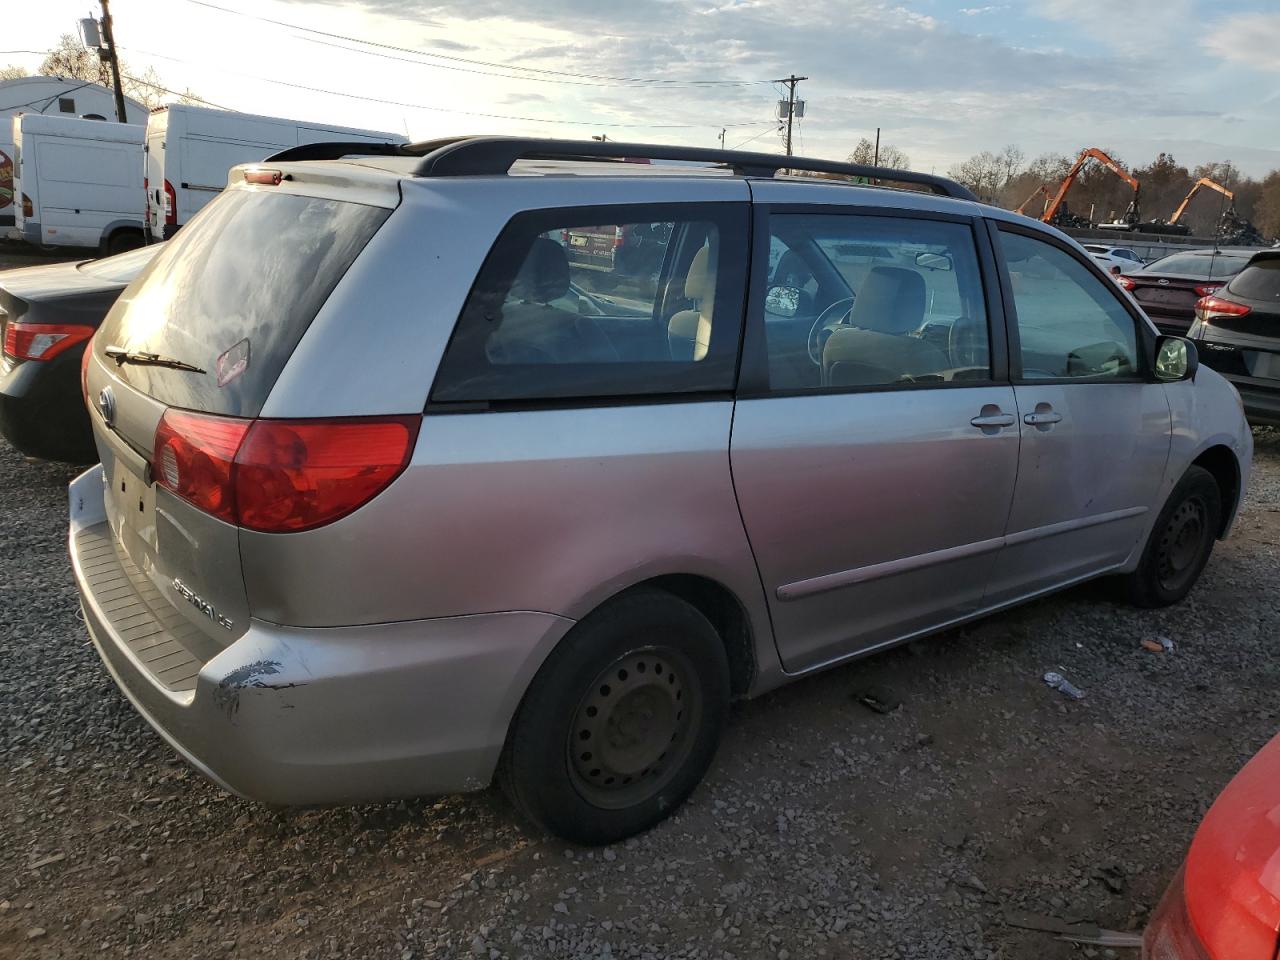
876	161
722	138
109	54
791	82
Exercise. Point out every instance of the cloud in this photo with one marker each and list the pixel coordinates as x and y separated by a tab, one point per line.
1249	38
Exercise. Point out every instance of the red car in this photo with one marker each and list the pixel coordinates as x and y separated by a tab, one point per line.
1224	904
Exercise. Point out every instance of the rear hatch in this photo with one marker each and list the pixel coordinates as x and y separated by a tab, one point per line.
1239	329
192	349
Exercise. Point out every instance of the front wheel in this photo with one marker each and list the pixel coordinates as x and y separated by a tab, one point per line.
621	722
1180	542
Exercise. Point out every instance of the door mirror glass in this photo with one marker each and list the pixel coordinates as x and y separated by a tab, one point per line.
1176	359
782	301
934	261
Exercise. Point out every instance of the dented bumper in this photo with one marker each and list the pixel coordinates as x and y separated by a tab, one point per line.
321	715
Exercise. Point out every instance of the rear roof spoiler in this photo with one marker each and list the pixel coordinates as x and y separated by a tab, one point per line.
494	156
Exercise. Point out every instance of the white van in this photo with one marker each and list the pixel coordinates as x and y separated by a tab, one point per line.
78	182
189	151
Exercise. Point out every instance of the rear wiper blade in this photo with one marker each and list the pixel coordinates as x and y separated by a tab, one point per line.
121	355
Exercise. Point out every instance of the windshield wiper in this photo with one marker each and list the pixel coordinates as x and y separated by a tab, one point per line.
120	355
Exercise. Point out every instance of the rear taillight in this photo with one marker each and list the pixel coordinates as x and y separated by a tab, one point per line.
1205	289
1170	935
194	456
28	209
280	476
1126	282
170	204
1209	307
617	237
42	341
146	199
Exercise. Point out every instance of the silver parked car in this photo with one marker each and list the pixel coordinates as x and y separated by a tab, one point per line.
397	495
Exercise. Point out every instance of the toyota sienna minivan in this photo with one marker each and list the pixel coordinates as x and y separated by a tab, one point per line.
389	505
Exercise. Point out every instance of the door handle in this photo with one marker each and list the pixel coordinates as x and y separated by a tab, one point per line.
994	420
1042	418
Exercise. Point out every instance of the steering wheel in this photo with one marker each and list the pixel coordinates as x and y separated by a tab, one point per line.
967	343
828	320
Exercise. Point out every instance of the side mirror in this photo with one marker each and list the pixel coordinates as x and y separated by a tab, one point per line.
1176	359
934	261
782	301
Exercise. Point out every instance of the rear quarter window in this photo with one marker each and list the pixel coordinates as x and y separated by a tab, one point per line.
601	302
233	294
1258	281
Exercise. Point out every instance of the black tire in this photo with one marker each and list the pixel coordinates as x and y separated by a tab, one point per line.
122	241
588	756
1180	542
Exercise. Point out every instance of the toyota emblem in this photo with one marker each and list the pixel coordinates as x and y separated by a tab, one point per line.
107	406
1163	283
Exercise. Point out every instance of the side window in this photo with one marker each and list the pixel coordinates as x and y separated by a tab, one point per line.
603	302
858	301
1069	323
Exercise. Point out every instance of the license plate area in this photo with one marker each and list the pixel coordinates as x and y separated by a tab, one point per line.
133	513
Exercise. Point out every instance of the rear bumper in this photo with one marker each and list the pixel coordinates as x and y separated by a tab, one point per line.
31	231
42	412
1261	403
309	716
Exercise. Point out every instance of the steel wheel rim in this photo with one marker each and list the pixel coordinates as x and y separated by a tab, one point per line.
1181	543
634	727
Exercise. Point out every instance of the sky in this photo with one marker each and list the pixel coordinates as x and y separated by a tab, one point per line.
943	78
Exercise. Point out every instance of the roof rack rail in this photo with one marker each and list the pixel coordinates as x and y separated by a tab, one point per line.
492	156
335	150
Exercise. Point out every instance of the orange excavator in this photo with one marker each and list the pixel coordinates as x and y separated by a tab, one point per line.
1040	191
1202	182
1055	207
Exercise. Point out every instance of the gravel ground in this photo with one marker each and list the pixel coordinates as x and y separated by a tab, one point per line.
824	829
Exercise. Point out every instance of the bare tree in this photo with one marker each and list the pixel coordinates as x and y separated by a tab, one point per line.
890	156
70	59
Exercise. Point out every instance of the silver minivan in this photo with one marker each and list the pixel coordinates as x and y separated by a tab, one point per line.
501	457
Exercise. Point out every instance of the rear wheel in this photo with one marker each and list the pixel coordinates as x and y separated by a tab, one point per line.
1180	542
122	241
621	722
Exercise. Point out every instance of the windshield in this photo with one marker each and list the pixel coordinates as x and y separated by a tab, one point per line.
1200	264
233	294
123	267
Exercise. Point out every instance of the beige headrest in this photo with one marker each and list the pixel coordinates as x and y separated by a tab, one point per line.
700	284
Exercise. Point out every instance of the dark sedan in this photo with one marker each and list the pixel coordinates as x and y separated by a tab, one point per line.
47	315
1169	288
1237	332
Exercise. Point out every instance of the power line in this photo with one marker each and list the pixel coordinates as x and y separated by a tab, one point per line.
751	139
475	63
466	113
674	84
186	94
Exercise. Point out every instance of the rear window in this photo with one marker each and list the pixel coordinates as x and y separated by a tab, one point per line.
1258	281
234	293
1199	265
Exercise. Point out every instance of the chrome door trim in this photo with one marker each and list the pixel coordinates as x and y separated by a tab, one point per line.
877	571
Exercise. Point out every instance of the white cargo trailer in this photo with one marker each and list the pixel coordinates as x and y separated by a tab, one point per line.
189	151
78	182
